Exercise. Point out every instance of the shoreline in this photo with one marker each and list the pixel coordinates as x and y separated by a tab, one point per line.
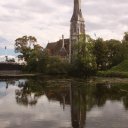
22	75
92	80
101	77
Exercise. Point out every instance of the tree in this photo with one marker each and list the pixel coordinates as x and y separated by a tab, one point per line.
125	38
84	62
55	65
101	52
24	46
114	52
125	46
32	53
37	60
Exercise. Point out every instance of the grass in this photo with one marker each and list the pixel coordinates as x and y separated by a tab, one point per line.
122	67
120	70
113	74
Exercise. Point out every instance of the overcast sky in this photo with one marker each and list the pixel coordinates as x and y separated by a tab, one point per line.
47	20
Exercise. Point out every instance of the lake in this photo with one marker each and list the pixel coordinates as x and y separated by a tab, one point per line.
62	103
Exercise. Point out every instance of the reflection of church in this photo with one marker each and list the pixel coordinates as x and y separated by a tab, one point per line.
78	107
64	48
76	98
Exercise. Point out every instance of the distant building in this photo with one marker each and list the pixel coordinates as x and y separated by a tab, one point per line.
65	47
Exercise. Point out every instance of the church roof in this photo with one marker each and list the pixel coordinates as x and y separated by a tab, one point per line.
63	52
55	48
51	45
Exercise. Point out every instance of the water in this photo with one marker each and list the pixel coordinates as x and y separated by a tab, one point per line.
62	103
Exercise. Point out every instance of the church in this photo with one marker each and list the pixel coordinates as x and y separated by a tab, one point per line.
64	48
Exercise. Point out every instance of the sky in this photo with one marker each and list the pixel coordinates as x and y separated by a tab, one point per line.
47	20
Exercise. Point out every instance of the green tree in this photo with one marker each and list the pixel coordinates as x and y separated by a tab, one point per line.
56	65
125	38
24	46
84	62
125	46
114	52
37	61
34	55
101	52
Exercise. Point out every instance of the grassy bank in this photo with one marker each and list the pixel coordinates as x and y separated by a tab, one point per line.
110	73
120	70
122	67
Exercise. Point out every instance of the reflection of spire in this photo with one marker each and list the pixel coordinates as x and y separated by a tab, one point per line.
64	94
78	107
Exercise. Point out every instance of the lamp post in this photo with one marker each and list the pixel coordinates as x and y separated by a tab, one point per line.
6	57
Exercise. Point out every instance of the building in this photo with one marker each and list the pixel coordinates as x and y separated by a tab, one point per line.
59	48
65	47
77	27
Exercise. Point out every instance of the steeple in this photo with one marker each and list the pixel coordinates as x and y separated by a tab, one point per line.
77	28
77	21
63	51
77	13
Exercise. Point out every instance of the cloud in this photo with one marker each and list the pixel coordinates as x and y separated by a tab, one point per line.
48	20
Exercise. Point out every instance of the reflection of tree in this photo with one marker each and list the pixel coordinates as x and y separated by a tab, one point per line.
106	92
84	97
124	95
28	92
125	101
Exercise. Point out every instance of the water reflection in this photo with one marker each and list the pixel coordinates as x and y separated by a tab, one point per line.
79	95
28	92
78	106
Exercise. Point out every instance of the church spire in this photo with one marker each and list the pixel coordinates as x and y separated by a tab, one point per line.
77	21
77	13
77	27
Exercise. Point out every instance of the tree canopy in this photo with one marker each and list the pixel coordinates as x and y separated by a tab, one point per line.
24	45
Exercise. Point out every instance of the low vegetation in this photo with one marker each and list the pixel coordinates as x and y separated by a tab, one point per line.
121	70
122	67
112	74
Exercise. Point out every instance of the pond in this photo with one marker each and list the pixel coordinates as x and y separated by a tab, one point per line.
62	103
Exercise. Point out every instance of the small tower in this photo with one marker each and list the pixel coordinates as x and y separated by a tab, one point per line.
77	27
63	52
